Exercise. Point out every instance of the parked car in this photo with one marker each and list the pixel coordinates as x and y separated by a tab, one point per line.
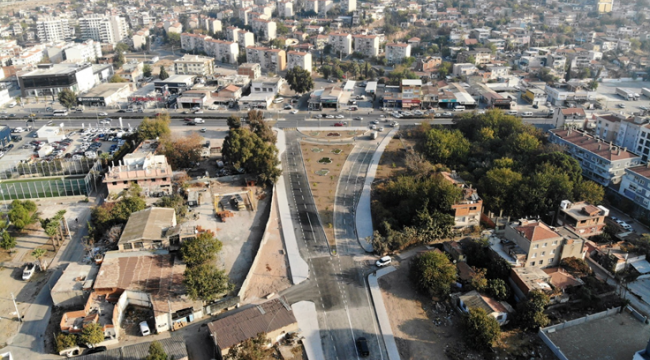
340	117
144	328
293	111
358	118
102	114
278	100
386	260
199	121
96	350
29	270
339	124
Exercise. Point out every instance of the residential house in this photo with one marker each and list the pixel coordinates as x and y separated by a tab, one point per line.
194	65
428	64
571	117
582	218
467	210
151	172
499	310
252	70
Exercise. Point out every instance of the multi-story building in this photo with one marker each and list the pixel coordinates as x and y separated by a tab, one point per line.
348	6
571	117
245	39
224	51
542	245
341	42
212	25
428	64
311	5
297	58
274	60
368	45
600	161
324	6
605	6
51	79
265	28
397	52
285	9
411	93
464	69
252	70
109	30
140	39
636	186
88	51
582	218
53	30
193	42
194	65
534	96
467	211
151	172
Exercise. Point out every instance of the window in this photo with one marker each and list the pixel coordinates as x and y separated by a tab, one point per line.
139	245
555	242
532	263
553	252
541	262
543	254
534	256
544	245
114	182
536	246
128	246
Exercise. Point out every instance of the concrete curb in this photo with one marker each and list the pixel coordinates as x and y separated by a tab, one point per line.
380	310
363	216
298	267
305	313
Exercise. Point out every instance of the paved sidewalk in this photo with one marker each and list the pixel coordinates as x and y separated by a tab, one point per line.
363	215
380	309
297	266
305	313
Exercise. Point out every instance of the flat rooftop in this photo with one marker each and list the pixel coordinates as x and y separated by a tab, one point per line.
56	69
613	337
105	90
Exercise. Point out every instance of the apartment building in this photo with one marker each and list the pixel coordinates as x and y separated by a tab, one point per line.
582	218
194	65
368	45
110	30
273	60
571	117
324	6
193	42
252	70
605	6
311	5
464	69
51	29
467	211
212	25
542	245
140	39
245	39
224	51
397	52
600	161
341	42
285	9
348	6
428	64
266	29
297	58
151	172
635	186
88	51
628	132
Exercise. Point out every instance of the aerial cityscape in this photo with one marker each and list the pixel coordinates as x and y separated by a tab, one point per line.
325	180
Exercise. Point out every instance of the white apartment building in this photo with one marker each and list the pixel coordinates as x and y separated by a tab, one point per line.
324	6
140	38
109	30
194	65
224	51
265	28
348	6
273	60
311	5
396	53
212	25
297	58
341	42
87	51
245	39
53	30
368	45
192	42
285	9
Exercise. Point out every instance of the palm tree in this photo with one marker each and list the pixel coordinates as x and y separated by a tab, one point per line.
38	255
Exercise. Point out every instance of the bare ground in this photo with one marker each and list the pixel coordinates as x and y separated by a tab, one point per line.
323	187
270	275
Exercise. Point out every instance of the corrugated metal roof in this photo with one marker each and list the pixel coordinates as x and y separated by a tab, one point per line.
175	349
148	224
269	316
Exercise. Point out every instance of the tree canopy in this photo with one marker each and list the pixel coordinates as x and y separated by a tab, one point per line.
22	213
182	152
109	214
67	98
154	128
433	273
299	80
530	312
156	352
201	249
92	334
117	79
243	148
163	73
481	328
206	282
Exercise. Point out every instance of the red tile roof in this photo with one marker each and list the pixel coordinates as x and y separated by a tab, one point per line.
595	146
537	231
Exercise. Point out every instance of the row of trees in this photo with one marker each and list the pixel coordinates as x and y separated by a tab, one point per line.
252	149
203	279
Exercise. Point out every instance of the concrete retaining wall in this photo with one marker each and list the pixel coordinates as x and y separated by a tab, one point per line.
265	238
556	350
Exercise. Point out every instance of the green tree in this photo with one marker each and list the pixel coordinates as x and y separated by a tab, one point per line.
65	341
154	128
116	79
156	352
593	85
206	282
445	69
163	73
300	80
433	273
241	58
201	249
251	349
443	146
498	289
92	334
22	213
245	149
182	151
260	127
173	38
234	122
589	191
38	254
326	70
147	70
174	201
483	329
121	47
67	98
499	187
530	313
7	242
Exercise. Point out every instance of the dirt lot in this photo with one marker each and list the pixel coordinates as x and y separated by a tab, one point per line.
270	275
323	178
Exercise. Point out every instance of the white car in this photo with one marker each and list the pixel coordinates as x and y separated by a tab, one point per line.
278	100
373	127
28	272
374	122
198	112
386	260
381	129
293	111
102	114
329	117
199	121
105	122
340	117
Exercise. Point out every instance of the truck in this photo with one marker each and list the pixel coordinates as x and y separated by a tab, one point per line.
627	94
646	92
374	135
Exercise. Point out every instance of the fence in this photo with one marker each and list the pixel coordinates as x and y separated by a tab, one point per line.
50	179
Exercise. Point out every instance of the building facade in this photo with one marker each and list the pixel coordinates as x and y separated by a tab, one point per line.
297	58
274	60
266	29
341	43
53	30
194	65
110	30
368	45
397	52
542	245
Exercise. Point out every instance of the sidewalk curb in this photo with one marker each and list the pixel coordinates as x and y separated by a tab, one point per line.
307	317
380	310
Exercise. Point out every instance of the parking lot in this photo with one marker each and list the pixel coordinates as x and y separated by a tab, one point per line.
607	92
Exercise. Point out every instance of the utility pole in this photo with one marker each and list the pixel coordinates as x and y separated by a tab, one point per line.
16	307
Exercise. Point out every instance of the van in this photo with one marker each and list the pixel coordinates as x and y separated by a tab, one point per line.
511	112
527	114
144	329
459	108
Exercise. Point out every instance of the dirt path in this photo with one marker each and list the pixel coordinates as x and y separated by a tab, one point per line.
323	177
